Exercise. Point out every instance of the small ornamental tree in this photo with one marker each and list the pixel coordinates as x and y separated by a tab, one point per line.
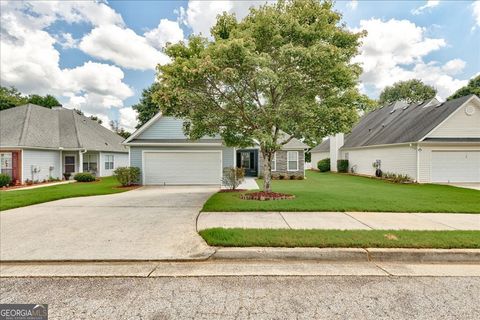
286	67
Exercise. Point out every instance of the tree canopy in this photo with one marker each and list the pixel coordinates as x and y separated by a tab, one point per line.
11	97
146	108
473	87
409	91
115	127
285	67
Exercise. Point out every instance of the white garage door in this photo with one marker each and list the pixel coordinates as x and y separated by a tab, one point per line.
177	167
456	166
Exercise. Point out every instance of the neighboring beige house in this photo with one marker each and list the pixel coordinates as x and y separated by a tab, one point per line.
429	141
39	143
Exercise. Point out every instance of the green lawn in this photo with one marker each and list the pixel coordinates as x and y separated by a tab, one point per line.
339	192
22	198
341	239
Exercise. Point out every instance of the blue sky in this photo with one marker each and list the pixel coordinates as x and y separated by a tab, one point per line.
98	56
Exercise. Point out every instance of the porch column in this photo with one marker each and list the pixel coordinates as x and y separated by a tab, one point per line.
80	161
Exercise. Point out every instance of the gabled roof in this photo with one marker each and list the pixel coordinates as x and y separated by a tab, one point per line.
322	147
35	126
136	137
399	123
411	123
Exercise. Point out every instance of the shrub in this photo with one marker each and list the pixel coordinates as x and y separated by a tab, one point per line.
84	177
127	176
342	165
233	177
324	165
281	177
293	177
5	180
397	178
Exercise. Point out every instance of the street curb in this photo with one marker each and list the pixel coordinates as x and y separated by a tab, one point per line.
424	255
349	254
321	254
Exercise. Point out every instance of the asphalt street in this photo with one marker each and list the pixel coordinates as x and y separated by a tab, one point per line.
252	297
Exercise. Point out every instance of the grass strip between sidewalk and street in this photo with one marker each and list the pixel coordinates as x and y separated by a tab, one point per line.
341	238
21	198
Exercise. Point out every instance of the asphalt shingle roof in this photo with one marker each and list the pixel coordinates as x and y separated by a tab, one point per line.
397	123
35	126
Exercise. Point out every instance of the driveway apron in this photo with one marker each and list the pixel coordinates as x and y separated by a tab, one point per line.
150	223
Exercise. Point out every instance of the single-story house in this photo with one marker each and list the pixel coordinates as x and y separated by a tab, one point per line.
167	157
38	143
430	141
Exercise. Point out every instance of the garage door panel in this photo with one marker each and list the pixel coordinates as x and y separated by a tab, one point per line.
455	166
182	167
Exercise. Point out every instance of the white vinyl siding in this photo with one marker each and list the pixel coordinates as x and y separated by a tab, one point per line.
119	160
317	156
459	124
274	162
426	158
46	163
292	161
182	167
395	159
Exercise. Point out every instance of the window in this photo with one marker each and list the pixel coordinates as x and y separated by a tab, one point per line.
274	162
90	163
109	162
292	161
6	162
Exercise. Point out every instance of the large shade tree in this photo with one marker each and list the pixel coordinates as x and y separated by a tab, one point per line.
409	91
286	67
473	87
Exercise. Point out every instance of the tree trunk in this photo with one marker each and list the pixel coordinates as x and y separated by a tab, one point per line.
267	171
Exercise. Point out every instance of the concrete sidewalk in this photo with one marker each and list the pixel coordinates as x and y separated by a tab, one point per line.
339	220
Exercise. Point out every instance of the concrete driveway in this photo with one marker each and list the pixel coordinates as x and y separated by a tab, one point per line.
150	223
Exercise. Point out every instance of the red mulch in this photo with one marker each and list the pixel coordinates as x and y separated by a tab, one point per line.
233	190
263	196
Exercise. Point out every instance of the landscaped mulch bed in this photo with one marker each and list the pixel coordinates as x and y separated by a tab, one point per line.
263	196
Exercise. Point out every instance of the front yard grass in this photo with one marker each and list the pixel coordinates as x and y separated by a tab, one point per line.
341	192
22	198
341	238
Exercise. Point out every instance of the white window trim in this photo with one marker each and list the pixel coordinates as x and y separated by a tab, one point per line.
274	162
105	161
288	160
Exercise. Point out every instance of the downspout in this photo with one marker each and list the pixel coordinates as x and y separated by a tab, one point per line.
418	162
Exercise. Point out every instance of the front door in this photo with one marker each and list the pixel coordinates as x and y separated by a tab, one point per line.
248	160
69	164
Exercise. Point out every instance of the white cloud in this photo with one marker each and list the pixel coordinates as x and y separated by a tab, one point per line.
30	62
167	31
430	4
67	41
394	50
202	15
353	4
122	46
128	119
476	14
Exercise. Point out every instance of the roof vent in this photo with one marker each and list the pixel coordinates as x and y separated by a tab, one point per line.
433	103
399	105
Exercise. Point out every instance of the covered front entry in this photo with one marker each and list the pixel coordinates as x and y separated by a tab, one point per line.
182	167
248	160
11	165
456	166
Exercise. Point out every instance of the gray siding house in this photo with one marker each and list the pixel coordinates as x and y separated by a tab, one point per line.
429	141
38	143
167	157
